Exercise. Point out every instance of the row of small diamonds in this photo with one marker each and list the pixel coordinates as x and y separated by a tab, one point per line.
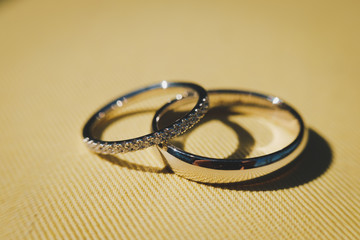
177	129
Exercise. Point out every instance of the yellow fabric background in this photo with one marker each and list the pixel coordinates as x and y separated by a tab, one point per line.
60	61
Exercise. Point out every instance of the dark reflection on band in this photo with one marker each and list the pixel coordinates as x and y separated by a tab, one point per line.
311	164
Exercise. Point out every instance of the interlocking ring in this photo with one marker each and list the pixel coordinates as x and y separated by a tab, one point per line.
213	170
157	137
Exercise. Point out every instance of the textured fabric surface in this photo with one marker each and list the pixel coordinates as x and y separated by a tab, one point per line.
60	61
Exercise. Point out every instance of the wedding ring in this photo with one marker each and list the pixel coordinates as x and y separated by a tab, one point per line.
214	170
186	90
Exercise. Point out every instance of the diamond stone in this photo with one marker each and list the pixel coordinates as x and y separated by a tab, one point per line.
146	141
106	149
118	148
157	139
99	148
137	144
127	146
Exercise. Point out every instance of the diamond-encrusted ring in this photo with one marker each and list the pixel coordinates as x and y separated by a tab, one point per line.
157	137
214	170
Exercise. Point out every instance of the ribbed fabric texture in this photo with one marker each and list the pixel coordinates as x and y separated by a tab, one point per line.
60	61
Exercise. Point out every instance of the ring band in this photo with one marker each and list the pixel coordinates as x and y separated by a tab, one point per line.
157	137
213	170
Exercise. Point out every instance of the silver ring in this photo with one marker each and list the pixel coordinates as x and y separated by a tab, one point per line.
157	137
213	170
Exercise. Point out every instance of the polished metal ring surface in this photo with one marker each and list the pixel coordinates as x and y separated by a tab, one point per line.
158	136
213	170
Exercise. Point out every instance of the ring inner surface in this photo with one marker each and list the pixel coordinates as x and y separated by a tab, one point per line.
131	116
237	126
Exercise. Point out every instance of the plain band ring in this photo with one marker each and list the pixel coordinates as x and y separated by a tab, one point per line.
213	170
157	137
